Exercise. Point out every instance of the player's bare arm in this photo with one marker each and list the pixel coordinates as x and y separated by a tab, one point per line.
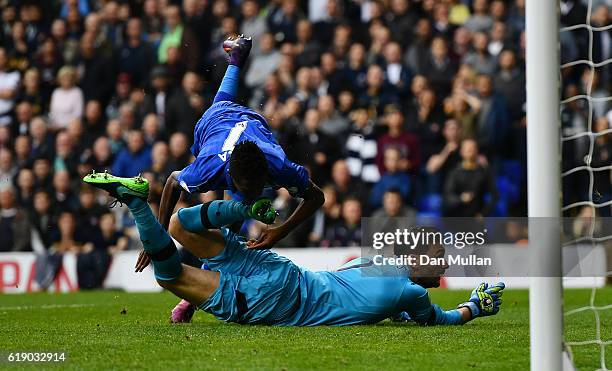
312	200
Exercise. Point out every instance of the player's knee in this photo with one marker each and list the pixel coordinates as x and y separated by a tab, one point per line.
175	228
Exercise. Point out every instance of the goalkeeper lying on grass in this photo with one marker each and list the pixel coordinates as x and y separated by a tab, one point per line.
260	287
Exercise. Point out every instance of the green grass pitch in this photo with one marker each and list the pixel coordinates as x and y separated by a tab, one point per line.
118	330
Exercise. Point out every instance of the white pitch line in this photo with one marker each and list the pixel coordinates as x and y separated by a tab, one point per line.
47	306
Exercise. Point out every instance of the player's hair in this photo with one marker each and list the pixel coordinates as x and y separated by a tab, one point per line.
248	161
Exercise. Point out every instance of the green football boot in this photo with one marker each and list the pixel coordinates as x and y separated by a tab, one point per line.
119	187
263	211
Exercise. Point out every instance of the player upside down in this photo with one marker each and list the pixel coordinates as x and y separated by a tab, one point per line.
235	151
260	287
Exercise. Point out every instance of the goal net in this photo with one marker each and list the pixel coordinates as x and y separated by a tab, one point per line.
586	140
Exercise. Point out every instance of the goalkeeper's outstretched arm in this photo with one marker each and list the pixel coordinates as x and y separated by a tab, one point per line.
485	300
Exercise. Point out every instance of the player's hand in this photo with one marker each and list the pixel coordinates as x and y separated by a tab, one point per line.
269	237
143	261
485	299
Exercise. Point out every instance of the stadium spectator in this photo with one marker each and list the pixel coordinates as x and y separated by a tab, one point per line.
185	106
417	54
151	129
26	183
89	212
9	82
406	143
42	218
393	206
23	116
317	149
42	172
325	217
498	37
180	156
94	258
493	118
347	230
343	183
97	77
110	239
177	35
8	168
67	238
14	223
445	159
397	74
479	20
67	99
479	58
120	97
31	92
65	156
331	122
136	56
152	20
401	20
376	96
93	122
22	149
253	23
439	69
441	21
42	141
19	58
49	61
306	50
425	122
133	159
392	178
361	147
157	100
467	186
101	156
282	19
264	63
160	168
510	83
64	197
114	133
356	68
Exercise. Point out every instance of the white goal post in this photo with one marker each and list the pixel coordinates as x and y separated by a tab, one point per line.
544	182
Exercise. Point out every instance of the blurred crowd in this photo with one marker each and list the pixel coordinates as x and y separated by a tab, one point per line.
396	107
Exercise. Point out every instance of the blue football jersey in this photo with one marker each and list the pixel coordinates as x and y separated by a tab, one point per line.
220	128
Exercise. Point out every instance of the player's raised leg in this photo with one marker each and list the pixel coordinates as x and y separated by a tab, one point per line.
189	283
238	50
194	226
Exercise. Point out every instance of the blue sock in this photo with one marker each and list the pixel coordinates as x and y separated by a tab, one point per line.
212	215
156	241
229	85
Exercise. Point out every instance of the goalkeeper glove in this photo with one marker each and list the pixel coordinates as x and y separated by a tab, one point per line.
485	300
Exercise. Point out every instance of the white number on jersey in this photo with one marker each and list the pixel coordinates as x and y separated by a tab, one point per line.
232	138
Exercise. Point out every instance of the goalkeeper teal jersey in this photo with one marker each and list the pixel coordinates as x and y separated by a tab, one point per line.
261	287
